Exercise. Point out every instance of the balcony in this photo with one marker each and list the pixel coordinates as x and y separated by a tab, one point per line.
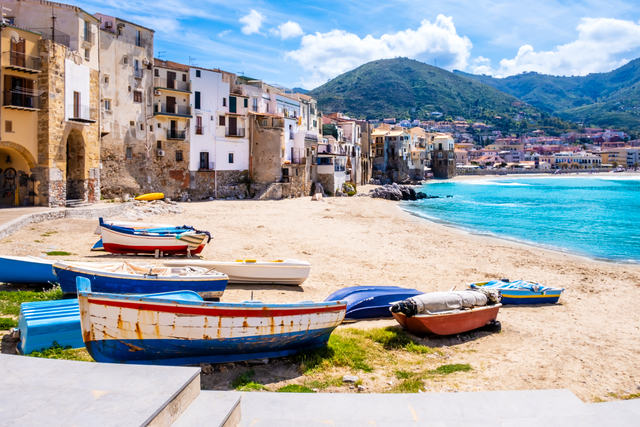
21	99
82	113
238	132
19	61
160	83
138	73
174	110
176	134
57	36
311	137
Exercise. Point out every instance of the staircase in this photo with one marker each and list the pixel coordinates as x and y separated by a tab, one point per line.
77	203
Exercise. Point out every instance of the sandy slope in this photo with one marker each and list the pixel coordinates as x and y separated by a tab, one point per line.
590	343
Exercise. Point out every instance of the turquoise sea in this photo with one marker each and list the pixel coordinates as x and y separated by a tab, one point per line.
593	215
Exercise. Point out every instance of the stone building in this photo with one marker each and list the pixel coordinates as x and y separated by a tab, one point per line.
126	83
443	163
65	170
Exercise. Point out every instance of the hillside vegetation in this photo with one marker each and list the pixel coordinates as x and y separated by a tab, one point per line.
407	89
602	99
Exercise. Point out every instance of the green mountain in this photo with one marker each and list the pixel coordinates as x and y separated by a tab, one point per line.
602	99
404	88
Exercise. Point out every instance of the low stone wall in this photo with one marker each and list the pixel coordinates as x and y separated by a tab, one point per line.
12	226
229	183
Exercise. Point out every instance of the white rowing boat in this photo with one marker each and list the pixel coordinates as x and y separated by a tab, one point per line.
281	272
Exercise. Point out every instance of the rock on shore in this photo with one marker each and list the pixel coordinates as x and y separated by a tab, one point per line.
397	192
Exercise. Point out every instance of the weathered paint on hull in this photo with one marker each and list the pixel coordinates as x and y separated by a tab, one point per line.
149	249
448	323
142	330
172	351
210	288
288	272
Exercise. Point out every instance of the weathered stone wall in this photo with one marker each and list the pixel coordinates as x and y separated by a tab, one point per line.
444	167
327	181
299	184
65	170
267	144
229	184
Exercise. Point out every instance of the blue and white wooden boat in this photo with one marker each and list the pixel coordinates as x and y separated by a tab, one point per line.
177	240
43	323
127	224
522	292
128	278
179	328
26	270
368	302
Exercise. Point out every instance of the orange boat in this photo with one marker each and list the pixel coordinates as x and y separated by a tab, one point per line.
449	322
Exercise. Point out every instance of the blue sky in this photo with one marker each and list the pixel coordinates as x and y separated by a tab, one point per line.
305	43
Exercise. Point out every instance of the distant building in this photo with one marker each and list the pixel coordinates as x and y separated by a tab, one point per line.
443	164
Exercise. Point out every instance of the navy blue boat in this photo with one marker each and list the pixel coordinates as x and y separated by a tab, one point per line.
127	278
368	302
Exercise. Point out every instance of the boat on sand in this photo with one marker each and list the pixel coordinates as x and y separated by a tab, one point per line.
368	302
27	270
448	313
522	292
281	272
179	328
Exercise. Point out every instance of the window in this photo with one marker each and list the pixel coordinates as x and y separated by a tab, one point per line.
224	102
106	79
125	60
129	88
199	128
178	156
197	73
119	30
156	72
8	126
204	160
255	105
159	145
10	20
197	102
159	125
107	105
137	96
184	77
87	54
230	158
132	123
141	126
129	153
150	128
76	104
138	38
221	121
246	103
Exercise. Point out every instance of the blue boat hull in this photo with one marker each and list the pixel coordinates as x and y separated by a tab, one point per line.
519	299
192	352
23	271
106	284
369	302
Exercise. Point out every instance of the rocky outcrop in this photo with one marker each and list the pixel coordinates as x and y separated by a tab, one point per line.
397	192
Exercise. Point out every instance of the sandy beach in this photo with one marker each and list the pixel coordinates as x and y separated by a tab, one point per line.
588	343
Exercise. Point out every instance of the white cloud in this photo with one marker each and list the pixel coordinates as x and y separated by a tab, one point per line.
252	22
601	46
287	30
326	55
224	33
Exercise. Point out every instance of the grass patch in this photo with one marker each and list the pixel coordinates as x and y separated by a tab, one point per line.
625	396
324	383
37	241
343	350
395	339
7	323
294	388
63	353
411	385
10	301
244	383
48	233
450	369
59	253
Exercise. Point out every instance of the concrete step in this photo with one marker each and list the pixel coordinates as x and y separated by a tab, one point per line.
39	392
212	408
619	413
76	203
499	408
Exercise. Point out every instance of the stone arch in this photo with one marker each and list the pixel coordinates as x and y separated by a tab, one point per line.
31	161
76	159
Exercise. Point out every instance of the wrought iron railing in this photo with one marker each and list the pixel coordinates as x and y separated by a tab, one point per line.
160	82
237	132
181	110
82	113
176	134
138	72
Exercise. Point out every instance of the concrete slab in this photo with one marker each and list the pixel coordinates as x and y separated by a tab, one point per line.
433	409
212	408
619	413
36	392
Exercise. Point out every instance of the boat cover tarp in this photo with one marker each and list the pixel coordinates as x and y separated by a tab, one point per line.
366	302
129	268
438	302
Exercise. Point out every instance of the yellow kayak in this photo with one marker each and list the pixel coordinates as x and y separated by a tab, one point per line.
151	196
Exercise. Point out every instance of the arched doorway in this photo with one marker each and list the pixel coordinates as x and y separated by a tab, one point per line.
76	180
15	170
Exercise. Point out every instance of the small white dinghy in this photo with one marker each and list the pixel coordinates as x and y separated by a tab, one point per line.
281	272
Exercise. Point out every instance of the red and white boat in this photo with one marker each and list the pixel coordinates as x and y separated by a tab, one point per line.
174	240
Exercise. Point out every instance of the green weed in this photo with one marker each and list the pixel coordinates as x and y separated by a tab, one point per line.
64	353
450	369
294	388
7	323
342	350
10	301
59	253
244	383
324	383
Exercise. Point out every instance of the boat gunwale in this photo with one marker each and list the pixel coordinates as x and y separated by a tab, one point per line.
150	277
